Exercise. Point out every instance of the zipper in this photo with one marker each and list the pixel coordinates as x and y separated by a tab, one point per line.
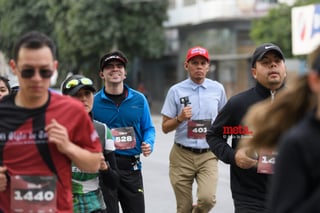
273	93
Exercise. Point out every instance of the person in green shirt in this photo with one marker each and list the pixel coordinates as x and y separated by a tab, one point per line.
87	187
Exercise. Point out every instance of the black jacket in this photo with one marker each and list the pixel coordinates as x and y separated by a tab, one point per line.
296	182
246	184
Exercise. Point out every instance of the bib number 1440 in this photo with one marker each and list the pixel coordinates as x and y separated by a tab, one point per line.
33	195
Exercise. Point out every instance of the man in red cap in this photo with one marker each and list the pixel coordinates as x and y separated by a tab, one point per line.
189	108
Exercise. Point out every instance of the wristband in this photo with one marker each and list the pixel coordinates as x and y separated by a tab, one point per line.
178	120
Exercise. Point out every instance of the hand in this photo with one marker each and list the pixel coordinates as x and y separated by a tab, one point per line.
185	114
146	149
243	159
3	178
58	134
103	164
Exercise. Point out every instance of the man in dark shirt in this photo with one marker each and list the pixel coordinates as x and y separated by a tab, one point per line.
248	183
41	133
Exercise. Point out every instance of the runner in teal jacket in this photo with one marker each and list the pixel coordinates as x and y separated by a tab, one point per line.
132	112
126	112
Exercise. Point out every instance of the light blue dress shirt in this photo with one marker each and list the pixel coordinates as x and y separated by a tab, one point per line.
206	100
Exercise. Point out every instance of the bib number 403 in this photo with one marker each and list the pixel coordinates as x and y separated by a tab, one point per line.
200	130
197	129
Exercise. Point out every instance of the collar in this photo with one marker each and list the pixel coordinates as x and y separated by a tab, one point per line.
266	92
194	85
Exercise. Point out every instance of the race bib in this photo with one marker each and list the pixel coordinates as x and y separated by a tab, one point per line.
197	129
36	194
124	137
266	161
109	145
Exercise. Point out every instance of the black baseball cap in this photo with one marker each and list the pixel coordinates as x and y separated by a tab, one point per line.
74	83
111	56
262	50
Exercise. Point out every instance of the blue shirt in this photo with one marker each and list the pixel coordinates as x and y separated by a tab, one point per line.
132	112
206	100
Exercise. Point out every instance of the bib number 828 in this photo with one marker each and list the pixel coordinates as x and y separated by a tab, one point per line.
123	139
31	195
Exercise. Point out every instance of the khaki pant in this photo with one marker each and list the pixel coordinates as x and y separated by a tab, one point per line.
185	167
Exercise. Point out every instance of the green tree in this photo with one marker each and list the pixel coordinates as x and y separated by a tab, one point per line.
18	17
84	30
276	26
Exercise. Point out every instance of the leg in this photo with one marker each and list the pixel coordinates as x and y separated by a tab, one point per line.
130	191
207	178
182	177
249	206
111	199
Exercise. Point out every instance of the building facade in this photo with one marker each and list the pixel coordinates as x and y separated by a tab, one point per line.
221	26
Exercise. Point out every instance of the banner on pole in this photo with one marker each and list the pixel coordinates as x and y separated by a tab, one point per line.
305	24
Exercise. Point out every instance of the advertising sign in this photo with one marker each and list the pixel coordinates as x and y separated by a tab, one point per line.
305	29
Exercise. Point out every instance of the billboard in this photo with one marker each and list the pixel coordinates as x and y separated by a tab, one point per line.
305	29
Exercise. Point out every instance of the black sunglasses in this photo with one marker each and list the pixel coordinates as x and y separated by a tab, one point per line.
29	72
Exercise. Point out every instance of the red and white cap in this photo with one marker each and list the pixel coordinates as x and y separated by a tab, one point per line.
197	51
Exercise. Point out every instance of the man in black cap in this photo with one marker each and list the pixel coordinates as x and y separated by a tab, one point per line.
248	182
127	114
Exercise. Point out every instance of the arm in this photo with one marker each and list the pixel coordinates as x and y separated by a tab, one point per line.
110	176
170	124
147	131
3	178
170	112
217	139
82	158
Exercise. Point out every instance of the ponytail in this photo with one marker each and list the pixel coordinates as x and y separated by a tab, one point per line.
269	120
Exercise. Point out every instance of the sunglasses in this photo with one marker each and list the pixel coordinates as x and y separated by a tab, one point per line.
30	72
75	82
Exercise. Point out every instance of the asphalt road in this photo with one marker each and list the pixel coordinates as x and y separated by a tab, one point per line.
159	196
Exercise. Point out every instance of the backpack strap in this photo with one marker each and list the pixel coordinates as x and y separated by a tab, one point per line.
43	147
